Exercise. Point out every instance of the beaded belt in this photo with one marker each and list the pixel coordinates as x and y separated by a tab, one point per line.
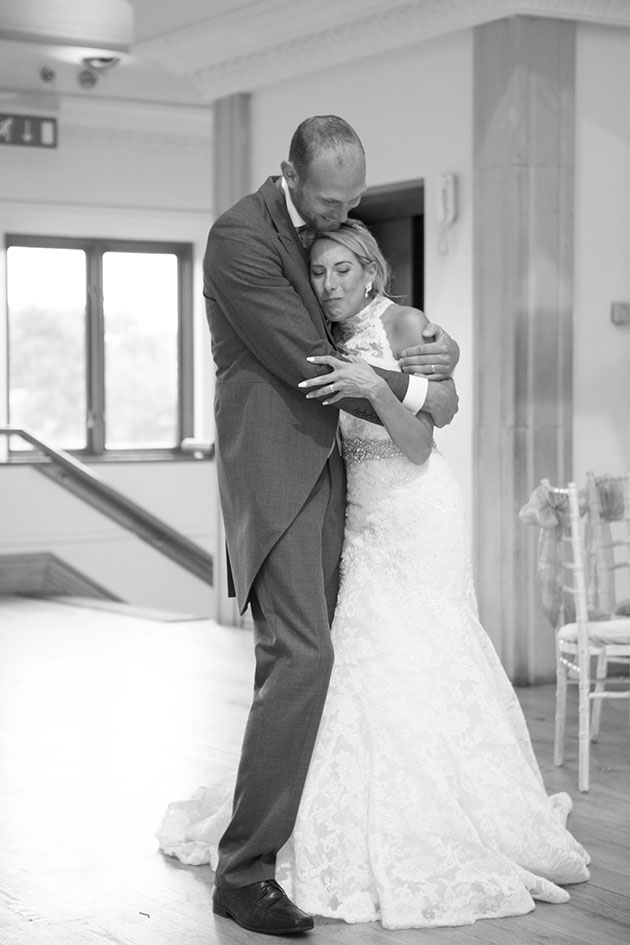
358	450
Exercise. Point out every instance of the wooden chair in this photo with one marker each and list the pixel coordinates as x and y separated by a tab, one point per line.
608	508
580	639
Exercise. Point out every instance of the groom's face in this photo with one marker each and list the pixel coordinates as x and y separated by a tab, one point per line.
332	185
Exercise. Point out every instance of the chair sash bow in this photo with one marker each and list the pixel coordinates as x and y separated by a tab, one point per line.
551	513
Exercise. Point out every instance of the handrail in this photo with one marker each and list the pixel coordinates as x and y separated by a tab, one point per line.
87	485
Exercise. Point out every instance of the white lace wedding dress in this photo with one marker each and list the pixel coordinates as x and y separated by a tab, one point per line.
424	804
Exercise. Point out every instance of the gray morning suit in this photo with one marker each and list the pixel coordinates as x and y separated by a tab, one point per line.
282	489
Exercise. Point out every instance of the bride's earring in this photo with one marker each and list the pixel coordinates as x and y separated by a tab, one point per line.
368	289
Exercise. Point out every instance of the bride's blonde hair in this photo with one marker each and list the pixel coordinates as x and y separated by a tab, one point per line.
355	236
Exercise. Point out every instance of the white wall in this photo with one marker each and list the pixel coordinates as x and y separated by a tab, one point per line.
137	172
109	155
602	252
38	515
413	111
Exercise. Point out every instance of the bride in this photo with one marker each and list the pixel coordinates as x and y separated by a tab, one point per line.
424	804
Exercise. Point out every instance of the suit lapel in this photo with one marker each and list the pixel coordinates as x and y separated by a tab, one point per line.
277	207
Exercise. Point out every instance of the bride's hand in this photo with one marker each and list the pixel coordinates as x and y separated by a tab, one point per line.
351	378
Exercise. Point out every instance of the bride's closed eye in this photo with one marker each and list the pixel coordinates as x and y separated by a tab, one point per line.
340	271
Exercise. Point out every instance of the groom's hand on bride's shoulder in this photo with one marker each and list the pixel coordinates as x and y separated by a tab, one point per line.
435	358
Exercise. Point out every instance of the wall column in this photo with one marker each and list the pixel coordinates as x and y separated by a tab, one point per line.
232	180
524	80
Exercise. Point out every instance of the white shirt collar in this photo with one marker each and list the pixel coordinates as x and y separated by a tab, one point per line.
296	219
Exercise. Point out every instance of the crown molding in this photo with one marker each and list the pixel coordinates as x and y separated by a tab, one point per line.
603	12
272	40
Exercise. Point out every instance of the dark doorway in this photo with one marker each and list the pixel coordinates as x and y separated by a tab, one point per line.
395	215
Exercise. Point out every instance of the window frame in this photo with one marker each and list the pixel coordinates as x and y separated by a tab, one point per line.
95	416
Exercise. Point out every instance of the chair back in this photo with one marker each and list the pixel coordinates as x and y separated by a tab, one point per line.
608	503
573	557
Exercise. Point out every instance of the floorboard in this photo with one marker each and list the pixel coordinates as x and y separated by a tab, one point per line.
105	718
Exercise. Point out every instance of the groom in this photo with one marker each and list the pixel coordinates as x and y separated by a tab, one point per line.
282	488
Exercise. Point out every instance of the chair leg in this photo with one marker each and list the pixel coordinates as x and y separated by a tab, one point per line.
600	684
561	711
584	741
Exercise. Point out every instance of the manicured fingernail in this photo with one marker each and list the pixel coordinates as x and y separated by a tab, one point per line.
310	359
302	384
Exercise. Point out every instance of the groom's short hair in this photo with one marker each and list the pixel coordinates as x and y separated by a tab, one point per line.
321	133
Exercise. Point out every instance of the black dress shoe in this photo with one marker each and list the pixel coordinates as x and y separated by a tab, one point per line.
262	907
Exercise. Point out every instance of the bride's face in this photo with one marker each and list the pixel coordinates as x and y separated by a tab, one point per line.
338	279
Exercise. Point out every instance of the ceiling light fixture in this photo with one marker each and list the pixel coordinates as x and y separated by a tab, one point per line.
101	24
101	64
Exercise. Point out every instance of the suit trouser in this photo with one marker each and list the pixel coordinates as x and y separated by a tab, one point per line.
292	601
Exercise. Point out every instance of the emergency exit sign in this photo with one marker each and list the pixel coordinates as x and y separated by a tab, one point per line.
28	131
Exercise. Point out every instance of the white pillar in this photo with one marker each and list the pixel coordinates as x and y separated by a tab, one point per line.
524	81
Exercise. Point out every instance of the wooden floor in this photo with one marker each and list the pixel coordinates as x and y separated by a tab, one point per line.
105	718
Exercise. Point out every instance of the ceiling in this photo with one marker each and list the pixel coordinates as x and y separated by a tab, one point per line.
194	51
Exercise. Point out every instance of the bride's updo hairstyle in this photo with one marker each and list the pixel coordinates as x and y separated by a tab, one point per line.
356	237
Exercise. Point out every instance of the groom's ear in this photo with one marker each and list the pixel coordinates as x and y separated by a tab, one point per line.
288	172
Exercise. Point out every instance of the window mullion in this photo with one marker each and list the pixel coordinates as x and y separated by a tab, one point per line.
95	354
186	360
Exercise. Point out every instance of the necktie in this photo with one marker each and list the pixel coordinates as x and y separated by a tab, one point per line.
306	234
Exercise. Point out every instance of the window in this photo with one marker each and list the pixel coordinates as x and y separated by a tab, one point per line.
100	343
